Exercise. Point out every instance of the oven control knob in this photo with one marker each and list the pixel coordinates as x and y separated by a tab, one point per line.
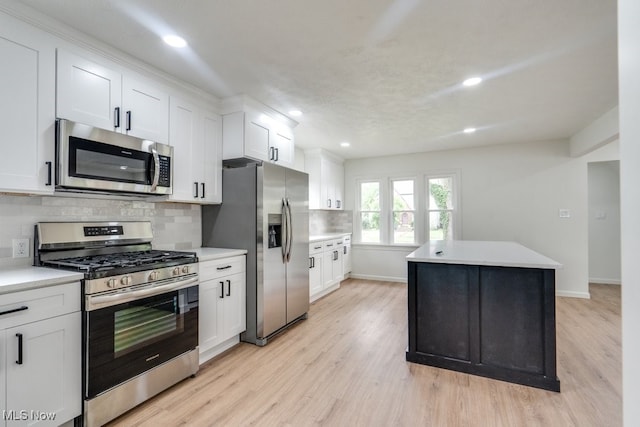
126	280
111	283
153	275
185	269
176	271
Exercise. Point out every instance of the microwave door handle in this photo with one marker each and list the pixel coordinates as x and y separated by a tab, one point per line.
156	169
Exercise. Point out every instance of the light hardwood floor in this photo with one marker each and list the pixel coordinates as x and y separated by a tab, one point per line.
345	366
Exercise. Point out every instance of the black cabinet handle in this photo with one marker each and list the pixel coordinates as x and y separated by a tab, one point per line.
328	203
277	154
116	117
222	290
223	268
310	262
345	249
338	204
202	184
195	185
271	153
129	120
228	288
48	173
19	361
24	307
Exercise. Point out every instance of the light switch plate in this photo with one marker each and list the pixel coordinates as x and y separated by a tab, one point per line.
564	213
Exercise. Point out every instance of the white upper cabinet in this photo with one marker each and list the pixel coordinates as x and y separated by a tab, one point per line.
27	109
326	179
196	140
253	130
100	96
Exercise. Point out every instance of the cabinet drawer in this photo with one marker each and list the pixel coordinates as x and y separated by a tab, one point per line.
221	267
330	245
42	303
347	240
316	247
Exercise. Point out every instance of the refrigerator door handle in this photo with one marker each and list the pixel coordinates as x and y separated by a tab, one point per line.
290	230
285	232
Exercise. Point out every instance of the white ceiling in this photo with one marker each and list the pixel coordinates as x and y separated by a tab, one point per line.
383	75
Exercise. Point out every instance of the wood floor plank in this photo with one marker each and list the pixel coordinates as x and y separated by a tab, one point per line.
345	366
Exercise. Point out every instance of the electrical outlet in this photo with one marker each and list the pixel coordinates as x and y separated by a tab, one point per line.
20	248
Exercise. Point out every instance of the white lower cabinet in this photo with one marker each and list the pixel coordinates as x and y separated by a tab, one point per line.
346	256
326	266
40	356
222	306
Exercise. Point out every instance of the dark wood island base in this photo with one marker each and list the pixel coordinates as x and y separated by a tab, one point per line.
493	321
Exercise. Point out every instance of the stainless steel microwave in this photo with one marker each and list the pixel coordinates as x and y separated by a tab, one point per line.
90	159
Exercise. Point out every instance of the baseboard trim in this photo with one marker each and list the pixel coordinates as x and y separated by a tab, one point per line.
379	278
601	281
573	294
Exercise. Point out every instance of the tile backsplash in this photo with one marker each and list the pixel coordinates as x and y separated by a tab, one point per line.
175	225
326	222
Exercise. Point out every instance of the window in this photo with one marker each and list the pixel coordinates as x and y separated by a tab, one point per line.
440	208
370	212
406	210
403	212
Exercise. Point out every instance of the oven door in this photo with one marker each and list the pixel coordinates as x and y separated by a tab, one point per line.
129	338
95	159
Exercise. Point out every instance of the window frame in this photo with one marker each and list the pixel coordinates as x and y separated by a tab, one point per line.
455	200
416	220
358	212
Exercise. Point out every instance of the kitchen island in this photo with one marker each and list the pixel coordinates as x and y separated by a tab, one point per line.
484	308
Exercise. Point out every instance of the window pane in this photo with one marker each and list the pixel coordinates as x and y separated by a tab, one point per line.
370	226
403	227
440	226
440	193
403	195
370	196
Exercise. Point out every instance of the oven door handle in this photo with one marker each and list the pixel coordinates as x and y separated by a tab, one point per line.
101	301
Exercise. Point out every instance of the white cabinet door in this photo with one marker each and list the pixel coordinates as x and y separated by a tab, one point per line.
256	142
337	179
48	380
315	273
337	265
284	149
210	315
145	110
346	258
234	318
27	110
185	143
211	191
327	268
195	135
88	93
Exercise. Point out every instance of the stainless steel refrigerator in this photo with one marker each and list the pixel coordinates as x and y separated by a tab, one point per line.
265	210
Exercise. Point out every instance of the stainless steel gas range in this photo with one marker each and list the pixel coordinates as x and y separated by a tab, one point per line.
140	310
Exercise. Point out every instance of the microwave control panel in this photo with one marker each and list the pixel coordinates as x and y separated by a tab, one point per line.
165	172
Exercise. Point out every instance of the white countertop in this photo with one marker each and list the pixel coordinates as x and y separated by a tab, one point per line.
24	278
320	237
208	254
472	252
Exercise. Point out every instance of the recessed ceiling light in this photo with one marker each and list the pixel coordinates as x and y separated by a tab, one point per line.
295	113
469	130
174	41
345	144
472	81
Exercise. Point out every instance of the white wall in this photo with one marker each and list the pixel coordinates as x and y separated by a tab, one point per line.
604	222
508	192
629	97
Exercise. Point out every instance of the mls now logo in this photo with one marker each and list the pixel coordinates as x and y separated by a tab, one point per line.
24	415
